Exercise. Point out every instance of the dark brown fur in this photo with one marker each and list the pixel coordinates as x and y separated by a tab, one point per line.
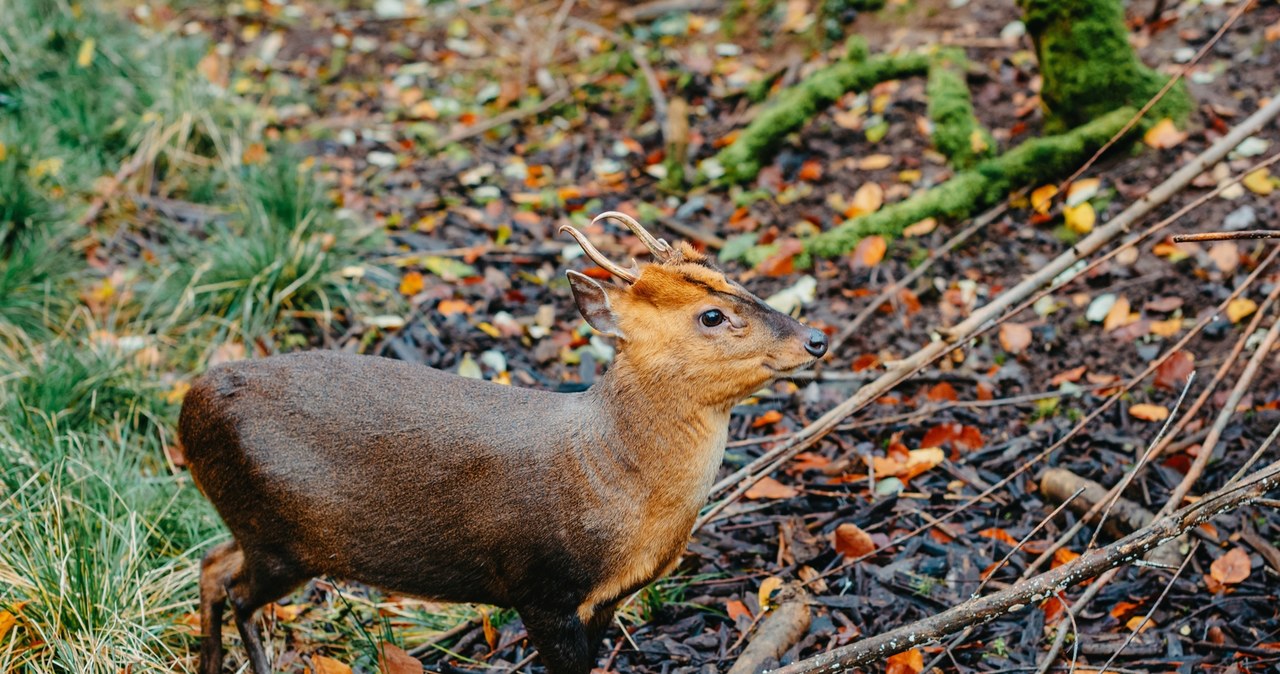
425	483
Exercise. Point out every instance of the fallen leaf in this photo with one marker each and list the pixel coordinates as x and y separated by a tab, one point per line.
1149	412
851	541
767	587
769	488
810	170
1014	337
321	664
868	199
1139	623
920	228
736	610
998	534
920	461
875	162
1079	219
1225	256
770	417
1082	191
870	251
451	307
412	283
394	660
1231	568
942	391
1167	328
1163	135
1063	556
85	56
1163	305
1068	377
1042	198
1118	316
1240	308
1259	182
906	662
1173	372
1122	609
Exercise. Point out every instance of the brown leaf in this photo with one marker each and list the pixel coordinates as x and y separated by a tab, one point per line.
737	609
1015	337
998	534
1068	377
394	660
1148	412
325	665
851	541
769	488
1231	568
782	262
1225	256
1163	305
1172	373
1118	316
942	391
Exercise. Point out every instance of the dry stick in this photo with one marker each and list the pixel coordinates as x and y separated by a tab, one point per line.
1122	133
1024	593
1053	273
1262	449
1191	414
892	289
1229	236
505	118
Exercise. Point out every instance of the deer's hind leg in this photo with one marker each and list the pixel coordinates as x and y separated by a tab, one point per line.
250	581
216	571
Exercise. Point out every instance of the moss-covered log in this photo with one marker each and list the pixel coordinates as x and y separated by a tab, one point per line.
794	106
1088	66
956	131
1036	161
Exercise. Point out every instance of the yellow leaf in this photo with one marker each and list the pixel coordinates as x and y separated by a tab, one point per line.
1140	623
1148	412
7	621
1259	182
1163	135
4	152
875	162
1080	218
1082	191
412	283
1042	198
868	199
920	228
1167	328
46	167
325	665
85	56
1118	316
1240	308
767	587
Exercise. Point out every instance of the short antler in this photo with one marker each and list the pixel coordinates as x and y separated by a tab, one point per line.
659	247
630	275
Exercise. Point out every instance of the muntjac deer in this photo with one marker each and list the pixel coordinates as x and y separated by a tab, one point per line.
425	483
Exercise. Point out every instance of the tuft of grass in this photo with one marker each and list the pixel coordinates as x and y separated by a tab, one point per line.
35	271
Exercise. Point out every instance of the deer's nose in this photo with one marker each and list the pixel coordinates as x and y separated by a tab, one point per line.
817	344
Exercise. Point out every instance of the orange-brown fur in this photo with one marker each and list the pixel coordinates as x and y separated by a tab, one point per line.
422	482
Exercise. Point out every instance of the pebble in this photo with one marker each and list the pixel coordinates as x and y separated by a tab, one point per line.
1241	218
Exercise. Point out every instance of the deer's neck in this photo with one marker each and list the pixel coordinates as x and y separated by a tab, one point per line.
671	439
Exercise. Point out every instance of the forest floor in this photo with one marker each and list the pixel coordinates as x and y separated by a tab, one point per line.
323	175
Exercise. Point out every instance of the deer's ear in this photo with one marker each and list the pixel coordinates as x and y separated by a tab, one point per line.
593	304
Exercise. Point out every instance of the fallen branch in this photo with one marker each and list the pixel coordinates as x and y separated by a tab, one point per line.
779	631
1032	591
1229	236
1056	273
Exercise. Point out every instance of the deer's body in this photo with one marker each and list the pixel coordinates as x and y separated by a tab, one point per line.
426	483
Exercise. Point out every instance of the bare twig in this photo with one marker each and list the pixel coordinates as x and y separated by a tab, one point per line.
505	118
1229	236
1025	593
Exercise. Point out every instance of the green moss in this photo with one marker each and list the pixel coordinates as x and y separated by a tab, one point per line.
1088	66
951	111
743	159
1035	161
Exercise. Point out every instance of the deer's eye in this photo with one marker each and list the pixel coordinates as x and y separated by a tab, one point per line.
711	318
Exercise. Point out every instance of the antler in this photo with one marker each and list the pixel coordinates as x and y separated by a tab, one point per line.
629	275
659	247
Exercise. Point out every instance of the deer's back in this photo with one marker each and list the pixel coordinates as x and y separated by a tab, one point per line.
387	472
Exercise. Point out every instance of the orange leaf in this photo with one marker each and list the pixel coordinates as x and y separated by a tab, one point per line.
769	488
412	283
1122	609
1015	337
942	391
737	609
906	662
851	541
1070	376
782	262
868	199
394	660
1118	316
1148	412
1163	135
451	307
810	170
865	362
869	251
770	417
1231	568
1042	198
1239	308
326	665
998	534
1062	556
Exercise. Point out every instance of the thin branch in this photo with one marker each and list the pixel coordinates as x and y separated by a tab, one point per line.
1229	236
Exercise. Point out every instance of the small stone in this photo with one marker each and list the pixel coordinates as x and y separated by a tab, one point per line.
1244	217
